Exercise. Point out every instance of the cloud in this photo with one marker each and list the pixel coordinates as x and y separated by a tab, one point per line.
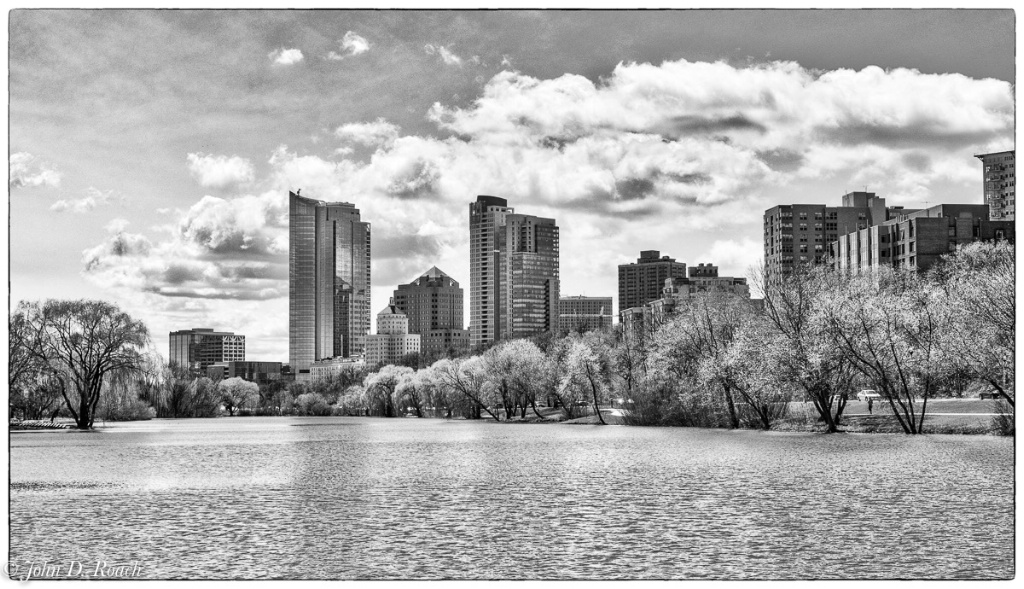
185	267
735	257
26	171
446	55
284	56
244	226
94	198
219	171
376	134
351	44
683	147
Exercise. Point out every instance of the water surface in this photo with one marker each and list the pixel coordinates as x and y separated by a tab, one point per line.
424	499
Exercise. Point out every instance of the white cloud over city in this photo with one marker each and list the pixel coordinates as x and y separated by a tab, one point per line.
694	142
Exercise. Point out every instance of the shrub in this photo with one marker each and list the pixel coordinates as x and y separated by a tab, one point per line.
1003	422
312	404
135	410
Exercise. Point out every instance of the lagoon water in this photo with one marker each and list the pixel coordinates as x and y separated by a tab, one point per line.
366	498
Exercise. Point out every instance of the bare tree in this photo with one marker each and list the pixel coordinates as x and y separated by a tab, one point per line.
889	323
979	282
801	345
80	343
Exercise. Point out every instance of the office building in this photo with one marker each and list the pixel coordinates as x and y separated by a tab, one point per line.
392	340
580	313
641	282
196	349
328	282
513	273
257	372
433	304
918	239
800	233
999	184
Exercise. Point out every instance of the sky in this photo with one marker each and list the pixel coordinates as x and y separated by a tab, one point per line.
151	152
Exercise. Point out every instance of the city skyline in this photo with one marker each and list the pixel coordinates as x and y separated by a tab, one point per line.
160	146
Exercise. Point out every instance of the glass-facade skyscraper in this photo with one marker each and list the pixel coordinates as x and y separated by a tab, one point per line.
513	273
328	281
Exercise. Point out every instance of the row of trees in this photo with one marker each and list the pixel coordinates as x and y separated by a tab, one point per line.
721	361
718	361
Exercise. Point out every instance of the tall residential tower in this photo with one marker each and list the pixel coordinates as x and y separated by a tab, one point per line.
999	181
328	282
513	272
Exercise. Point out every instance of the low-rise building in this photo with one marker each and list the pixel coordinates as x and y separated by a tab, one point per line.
702	279
392	340
328	368
918	239
257	372
582	313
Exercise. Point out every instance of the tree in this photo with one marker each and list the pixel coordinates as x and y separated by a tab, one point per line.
79	344
381	386
466	377
586	373
981	337
800	344
889	324
237	393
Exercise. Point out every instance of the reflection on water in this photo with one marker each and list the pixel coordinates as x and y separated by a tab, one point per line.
407	498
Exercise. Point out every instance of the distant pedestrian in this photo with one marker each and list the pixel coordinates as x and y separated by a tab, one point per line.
870	403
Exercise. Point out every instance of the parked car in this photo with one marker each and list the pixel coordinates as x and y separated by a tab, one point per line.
868	394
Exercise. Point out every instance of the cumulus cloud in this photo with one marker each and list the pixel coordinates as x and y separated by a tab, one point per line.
351	44
284	56
222	251
26	171
94	198
219	171
446	55
244	226
685	147
379	133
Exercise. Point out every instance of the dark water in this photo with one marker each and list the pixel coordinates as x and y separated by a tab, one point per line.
423	499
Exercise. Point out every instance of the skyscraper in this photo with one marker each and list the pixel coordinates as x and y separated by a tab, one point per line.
328	281
433	304
486	218
514	272
999	182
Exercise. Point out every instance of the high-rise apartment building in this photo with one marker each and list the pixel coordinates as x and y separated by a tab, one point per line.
528	264
486	220
641	282
434	305
582	313
513	272
917	239
999	184
800	233
392	340
196	349
328	282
